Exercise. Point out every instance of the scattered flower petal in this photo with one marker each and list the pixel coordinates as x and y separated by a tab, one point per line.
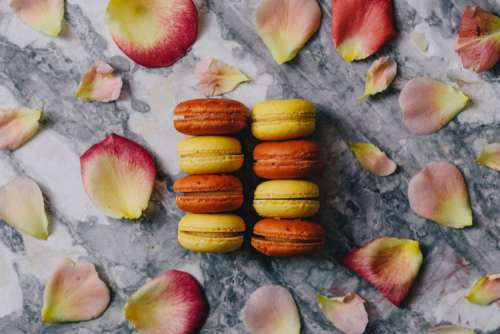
171	303
478	42
380	75
485	290
285	26
438	193
74	292
271	310
361	27
428	104
100	84
42	15
23	208
420	41
451	329
390	264
347	313
17	126
118	175
490	156
373	159
217	78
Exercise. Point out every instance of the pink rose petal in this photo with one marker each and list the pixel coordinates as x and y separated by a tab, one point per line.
485	290
285	26
74	292
100	84
490	156
271	310
373	159
451	329
217	78
380	75
118	175
17	126
43	15
438	193
428	104
347	313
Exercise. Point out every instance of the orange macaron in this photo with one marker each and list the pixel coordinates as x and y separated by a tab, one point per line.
282	237
209	193
207	117
287	159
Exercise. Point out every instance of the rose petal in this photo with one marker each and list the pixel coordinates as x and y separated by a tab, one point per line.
478	42
171	303
390	264
428	104
285	26
100	84
490	156
451	329
361	27
74	292
22	207
17	126
42	15
438	193
373	159
485	290
118	175
271	310
380	75
217	78
347	313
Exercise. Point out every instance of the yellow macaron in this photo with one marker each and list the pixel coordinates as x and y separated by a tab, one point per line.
210	154
211	233
283	119
286	199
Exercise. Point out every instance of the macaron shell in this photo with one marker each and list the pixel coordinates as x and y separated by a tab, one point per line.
209	145
211	164
270	248
284	109
209	204
287	150
212	223
284	189
292	229
208	183
283	129
285	208
286	169
209	245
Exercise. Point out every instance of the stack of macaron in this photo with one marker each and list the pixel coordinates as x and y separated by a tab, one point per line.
208	193
285	158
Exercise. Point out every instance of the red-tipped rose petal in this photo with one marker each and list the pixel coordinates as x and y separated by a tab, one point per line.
373	159
380	75
42	15
438	193
17	126
74	292
485	290
361	27
171	303
23	208
100	84
271	310
118	175
478	42
217	78
428	104
390	264
451	329
490	156
285	26
347	313
153	33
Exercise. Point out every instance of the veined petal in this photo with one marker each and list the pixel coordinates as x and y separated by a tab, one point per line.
74	292
451	329
347	313
373	159
490	156
438	193
285	26
485	290
171	303
478	42
23	208
361	27
118	175
428	104
271	310
42	15
217	78
100	84
17	126
380	75
390	264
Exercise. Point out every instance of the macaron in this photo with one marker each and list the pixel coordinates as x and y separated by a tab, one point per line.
209	155
211	233
209	193
287	160
202	117
283	119
286	199
282	237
